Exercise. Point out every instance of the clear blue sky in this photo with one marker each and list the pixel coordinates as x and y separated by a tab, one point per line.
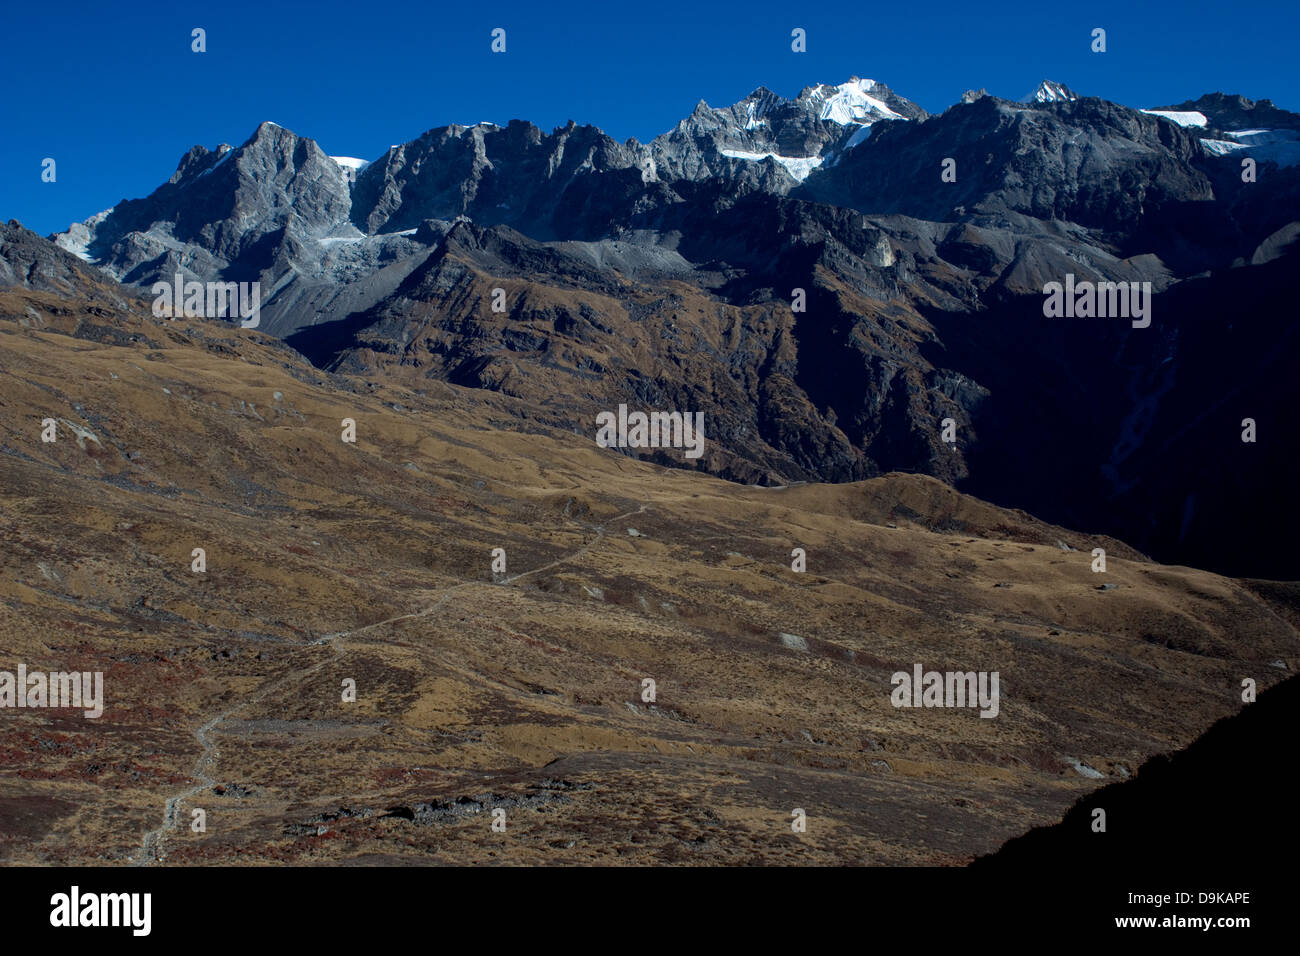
114	94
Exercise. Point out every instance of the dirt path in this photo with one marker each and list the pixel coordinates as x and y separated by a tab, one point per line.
151	846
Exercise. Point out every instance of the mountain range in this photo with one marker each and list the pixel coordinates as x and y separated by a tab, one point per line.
917	247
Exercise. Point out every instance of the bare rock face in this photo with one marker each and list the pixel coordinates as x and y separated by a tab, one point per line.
30	262
235	209
1087	162
544	183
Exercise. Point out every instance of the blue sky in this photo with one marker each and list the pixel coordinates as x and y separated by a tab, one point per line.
114	94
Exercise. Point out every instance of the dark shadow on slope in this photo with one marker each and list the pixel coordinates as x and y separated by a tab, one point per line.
1223	802
1137	433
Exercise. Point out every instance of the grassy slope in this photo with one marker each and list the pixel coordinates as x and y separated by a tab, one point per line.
526	692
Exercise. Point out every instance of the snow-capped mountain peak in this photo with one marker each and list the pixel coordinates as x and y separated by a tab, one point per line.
1050	91
852	103
798	135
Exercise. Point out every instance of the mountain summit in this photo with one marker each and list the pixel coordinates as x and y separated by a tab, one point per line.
1050	92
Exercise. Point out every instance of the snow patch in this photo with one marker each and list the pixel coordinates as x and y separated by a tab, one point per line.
797	166
1191	118
224	152
80	235
860	136
1263	137
1281	146
1220	147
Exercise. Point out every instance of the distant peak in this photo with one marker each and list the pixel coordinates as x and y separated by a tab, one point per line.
1050	91
268	130
853	103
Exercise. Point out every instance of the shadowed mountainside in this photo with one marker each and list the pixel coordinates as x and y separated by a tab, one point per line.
1220	803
